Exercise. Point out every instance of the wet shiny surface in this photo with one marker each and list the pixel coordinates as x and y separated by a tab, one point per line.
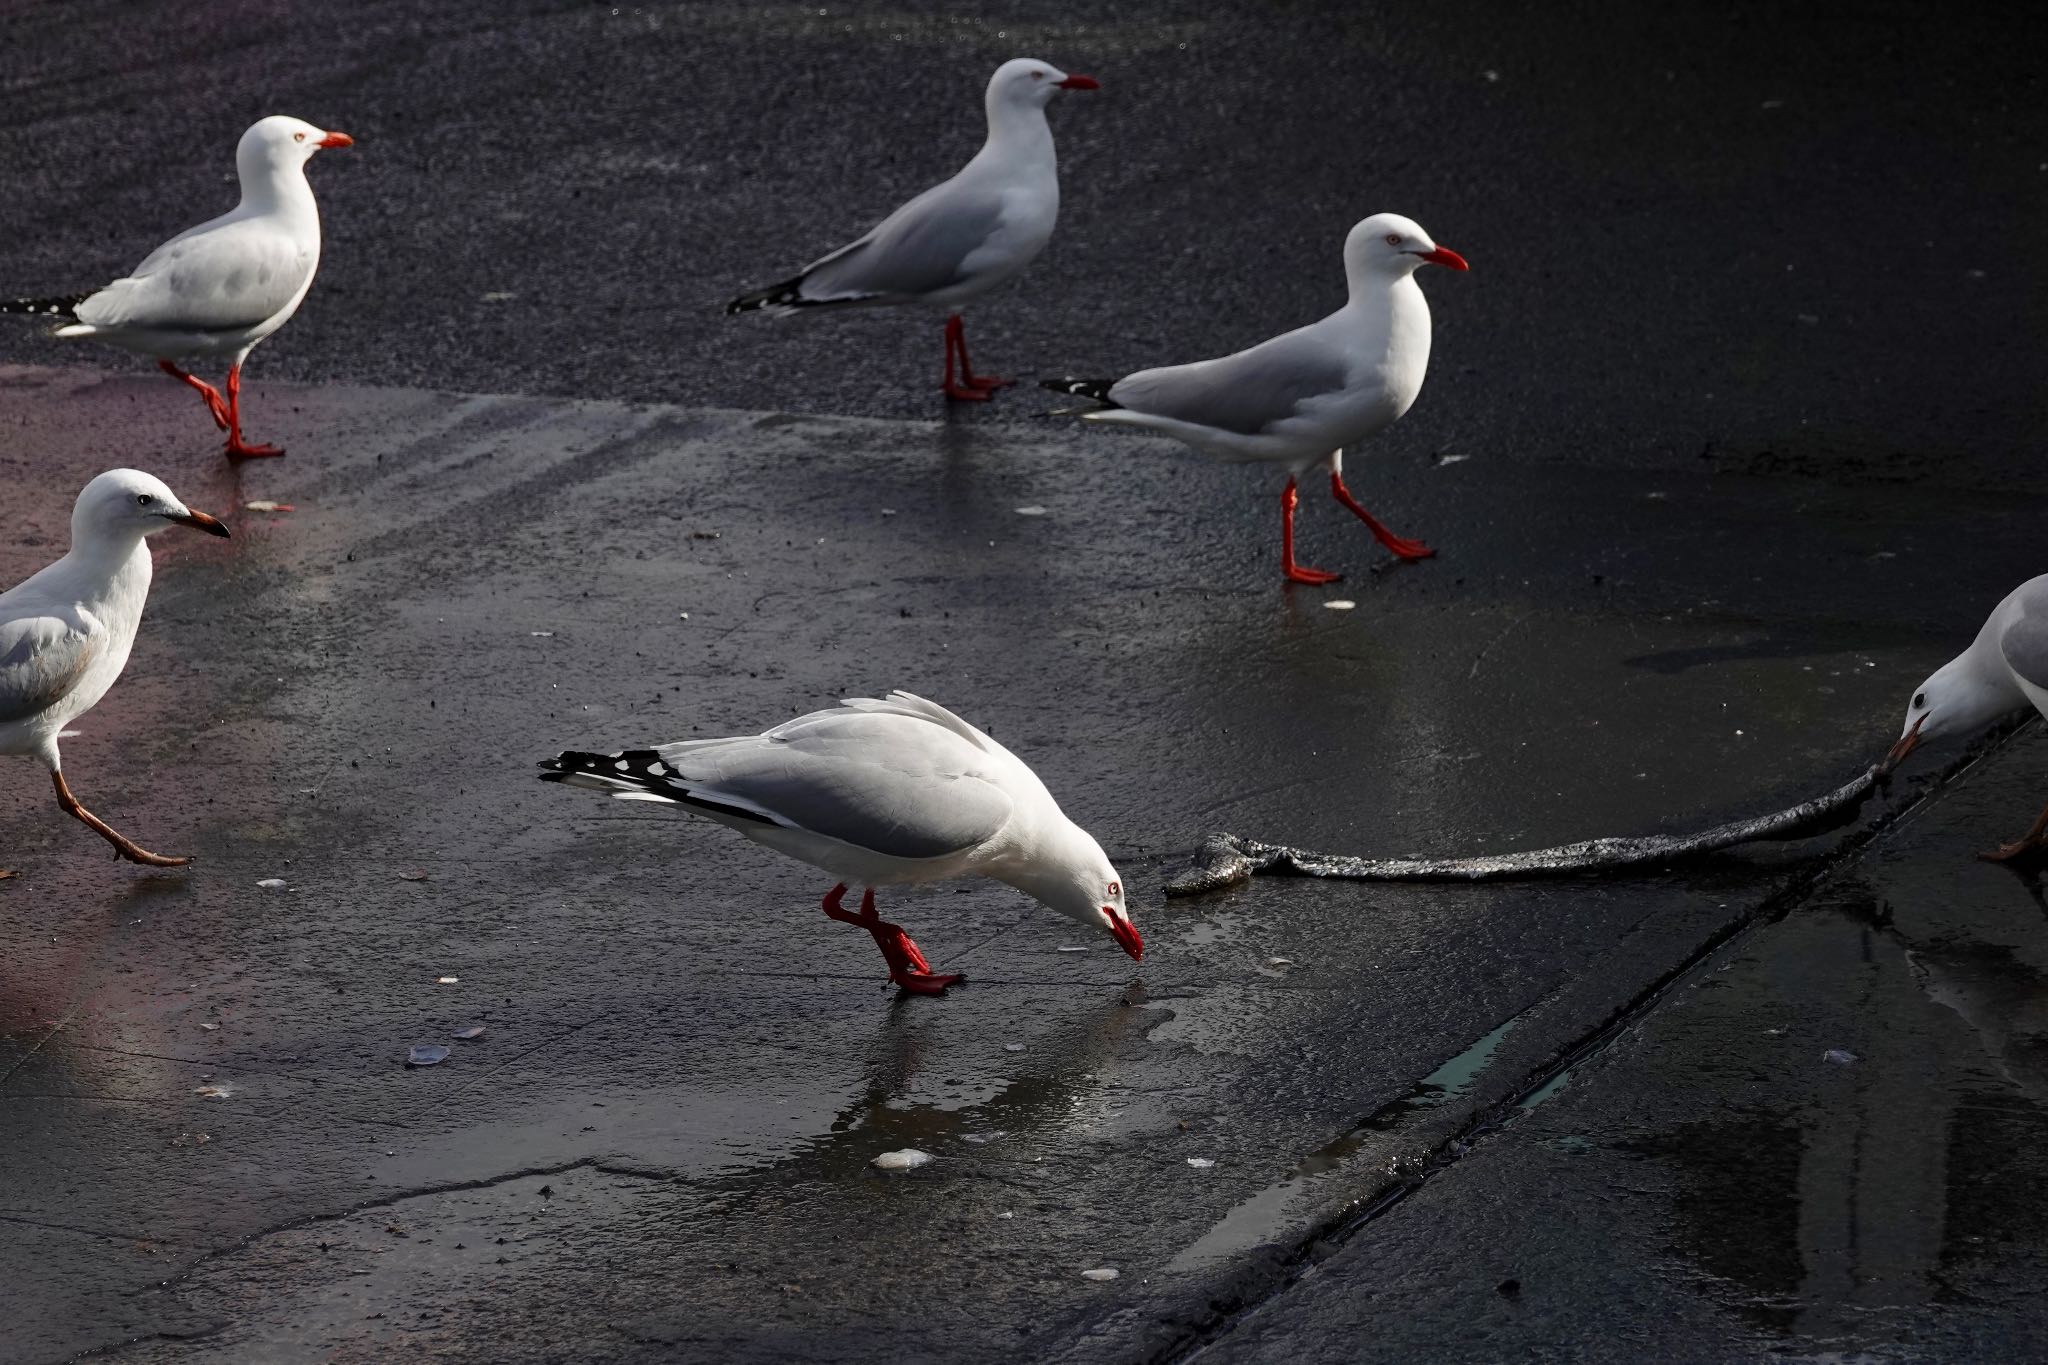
698	1065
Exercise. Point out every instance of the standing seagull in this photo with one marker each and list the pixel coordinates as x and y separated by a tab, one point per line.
959	239
2004	670
217	289
1301	397
65	633
880	793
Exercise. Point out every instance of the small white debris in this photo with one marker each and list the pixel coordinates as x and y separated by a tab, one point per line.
1491	76
219	1090
1006	1214
1339	604
1065	948
427	1054
909	1159
469	1035
888	511
1032	511
1013	1047
1201	1163
683	616
266	505
272	883
1279	962
210	1028
1102	1274
1839	1056
447	980
500	296
541	634
1443	460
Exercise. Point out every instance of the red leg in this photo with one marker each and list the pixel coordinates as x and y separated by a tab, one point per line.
987	382
214	403
1400	545
907	965
1295	573
965	393
124	847
237	449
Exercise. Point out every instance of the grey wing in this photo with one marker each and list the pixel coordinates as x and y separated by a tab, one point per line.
41	659
1246	393
898	785
2025	647
916	250
221	276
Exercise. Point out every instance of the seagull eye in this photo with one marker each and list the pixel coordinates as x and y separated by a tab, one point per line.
298	137
1919	700
1038	75
1393	239
1115	889
144	499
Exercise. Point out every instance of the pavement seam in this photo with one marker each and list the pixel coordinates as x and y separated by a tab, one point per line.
1324	1238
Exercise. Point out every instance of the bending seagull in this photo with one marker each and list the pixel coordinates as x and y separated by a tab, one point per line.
959	239
1302	397
2004	670
65	633
880	793
219	288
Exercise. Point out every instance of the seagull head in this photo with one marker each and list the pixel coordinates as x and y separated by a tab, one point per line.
1388	244
124	504
280	143
1067	871
1027	83
1961	696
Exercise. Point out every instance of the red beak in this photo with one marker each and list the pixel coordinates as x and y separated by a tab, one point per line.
1907	743
1443	255
336	140
1126	934
211	525
1079	83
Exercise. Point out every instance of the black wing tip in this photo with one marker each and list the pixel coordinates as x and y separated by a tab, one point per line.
788	294
1097	389
55	306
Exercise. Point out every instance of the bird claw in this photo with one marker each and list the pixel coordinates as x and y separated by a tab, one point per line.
2016	851
1409	550
962	393
1314	577
925	983
237	450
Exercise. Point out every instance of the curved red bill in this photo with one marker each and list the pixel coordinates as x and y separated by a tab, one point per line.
336	140
211	525
1443	255
1079	83
1907	743
1126	934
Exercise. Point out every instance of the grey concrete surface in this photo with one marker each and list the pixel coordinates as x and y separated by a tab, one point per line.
679	1046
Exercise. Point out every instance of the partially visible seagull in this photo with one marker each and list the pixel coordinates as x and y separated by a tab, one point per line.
1300	398
880	792
217	289
2004	670
65	632
959	239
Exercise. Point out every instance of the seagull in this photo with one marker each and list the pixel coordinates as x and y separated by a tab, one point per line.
65	632
219	288
1300	398
880	792
2005	670
959	239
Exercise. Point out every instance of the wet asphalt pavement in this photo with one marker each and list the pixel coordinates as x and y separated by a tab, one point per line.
1704	541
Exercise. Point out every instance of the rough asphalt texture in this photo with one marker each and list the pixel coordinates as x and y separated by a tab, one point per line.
1746	373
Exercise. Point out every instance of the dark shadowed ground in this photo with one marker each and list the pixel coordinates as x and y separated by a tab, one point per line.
1745	380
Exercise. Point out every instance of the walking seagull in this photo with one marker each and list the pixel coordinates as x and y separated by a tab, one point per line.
2004	670
882	792
219	288
1300	398
959	239
65	633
